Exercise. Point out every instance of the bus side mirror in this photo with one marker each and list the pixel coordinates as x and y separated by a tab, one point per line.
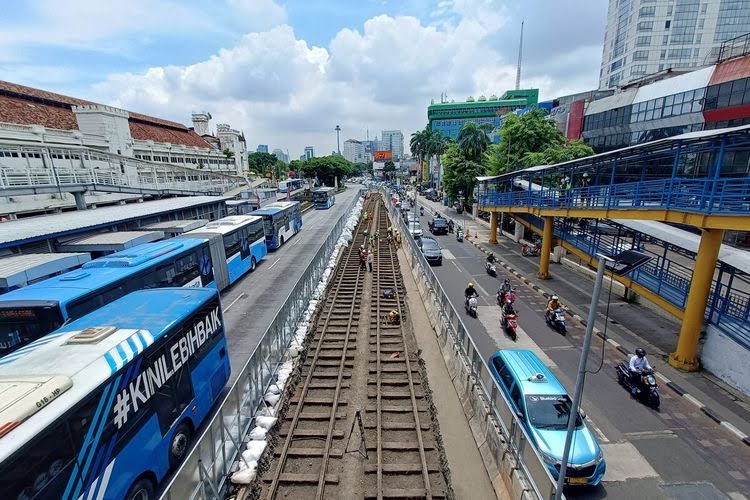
519	413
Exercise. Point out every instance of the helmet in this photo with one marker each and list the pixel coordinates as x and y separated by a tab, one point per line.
554	297
640	352
470	285
507	281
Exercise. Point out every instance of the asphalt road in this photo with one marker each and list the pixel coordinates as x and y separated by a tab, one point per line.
251	304
677	452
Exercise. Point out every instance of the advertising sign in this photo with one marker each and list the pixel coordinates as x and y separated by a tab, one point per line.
383	156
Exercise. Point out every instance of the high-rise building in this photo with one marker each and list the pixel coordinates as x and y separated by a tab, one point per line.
644	37
281	155
393	141
354	151
309	152
369	147
262	148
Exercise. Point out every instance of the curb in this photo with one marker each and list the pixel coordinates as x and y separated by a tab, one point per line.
674	387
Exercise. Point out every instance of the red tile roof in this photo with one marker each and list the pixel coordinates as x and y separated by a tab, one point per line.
30	106
733	69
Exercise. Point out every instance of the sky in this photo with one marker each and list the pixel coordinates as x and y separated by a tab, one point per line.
287	72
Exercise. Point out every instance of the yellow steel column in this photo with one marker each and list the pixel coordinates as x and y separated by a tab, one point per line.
493	227
546	248
684	356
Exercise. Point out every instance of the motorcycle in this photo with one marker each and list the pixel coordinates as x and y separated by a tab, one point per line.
509	320
450	226
556	319
645	390
531	250
421	212
460	235
490	268
503	296
471	306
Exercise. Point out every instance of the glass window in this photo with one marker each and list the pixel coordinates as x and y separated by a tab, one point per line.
667	111
645	26
667	23
678	98
550	412
647	11
665	40
687	96
703	8
643	40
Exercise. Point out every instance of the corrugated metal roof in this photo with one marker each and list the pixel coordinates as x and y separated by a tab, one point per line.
680	83
737	258
734	69
119	239
16	270
177	226
47	226
614	101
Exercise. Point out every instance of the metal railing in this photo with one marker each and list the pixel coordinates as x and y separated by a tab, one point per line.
734	47
528	461
204	474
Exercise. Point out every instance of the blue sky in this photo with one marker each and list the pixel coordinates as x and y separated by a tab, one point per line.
287	72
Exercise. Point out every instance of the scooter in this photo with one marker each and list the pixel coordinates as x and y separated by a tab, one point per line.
509	320
646	390
531	251
421	212
460	235
471	306
556	319
503	296
490	268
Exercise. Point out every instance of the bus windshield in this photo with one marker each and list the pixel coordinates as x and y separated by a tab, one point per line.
22	325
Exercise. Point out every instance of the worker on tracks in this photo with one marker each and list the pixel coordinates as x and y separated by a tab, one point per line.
362	258
370	259
394	318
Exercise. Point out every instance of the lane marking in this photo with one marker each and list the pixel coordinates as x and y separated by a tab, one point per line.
734	430
234	302
597	430
275	262
693	400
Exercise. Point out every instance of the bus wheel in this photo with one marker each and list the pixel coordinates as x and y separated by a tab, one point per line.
143	489
281	241
179	446
253	264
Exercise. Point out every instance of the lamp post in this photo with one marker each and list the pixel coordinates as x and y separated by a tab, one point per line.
338	144
620	264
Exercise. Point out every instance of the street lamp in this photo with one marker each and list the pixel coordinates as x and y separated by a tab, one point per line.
338	144
620	264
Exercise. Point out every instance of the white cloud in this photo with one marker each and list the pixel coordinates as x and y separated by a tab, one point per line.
285	93
259	13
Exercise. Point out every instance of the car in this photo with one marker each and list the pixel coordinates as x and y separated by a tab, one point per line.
431	251
542	405
415	229
438	225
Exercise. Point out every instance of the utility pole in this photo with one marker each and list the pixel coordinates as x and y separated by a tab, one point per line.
338	144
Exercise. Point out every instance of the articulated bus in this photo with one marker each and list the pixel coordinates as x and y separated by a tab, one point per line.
290	185
282	220
107	406
240	242
31	312
324	198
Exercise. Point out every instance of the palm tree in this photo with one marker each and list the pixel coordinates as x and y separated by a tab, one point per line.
473	141
418	145
436	145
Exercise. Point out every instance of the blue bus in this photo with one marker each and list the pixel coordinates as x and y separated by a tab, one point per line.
140	376
240	244
290	185
31	312
324	198
282	220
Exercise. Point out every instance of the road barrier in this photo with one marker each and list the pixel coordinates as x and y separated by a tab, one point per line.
509	457
204	473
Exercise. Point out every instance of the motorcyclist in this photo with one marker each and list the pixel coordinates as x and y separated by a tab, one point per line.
552	304
450	226
470	291
491	258
638	366
421	211
505	289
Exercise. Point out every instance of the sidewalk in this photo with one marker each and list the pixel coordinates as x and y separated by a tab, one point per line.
721	403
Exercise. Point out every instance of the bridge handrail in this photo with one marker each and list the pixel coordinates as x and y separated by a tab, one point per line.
204	473
528	461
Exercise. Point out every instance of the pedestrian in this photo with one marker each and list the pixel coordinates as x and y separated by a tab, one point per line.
398	240
362	260
370	259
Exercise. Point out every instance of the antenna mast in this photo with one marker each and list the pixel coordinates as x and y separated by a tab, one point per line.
520	53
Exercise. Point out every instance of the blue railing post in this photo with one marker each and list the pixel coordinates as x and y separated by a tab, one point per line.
717	173
672	179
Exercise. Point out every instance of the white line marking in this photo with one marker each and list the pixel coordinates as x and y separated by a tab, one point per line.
234	302
734	430
662	378
274	263
482	290
602	437
693	400
457	268
613	343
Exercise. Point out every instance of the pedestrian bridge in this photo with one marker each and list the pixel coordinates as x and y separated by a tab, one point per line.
30	170
698	179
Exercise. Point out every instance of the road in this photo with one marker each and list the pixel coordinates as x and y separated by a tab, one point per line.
251	304
675	453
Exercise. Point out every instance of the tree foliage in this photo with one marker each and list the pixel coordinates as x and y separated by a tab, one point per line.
228	153
460	173
262	163
326	168
530	140
427	143
473	141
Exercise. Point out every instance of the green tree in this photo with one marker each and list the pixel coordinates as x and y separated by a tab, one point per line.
388	169
437	144
326	168
262	163
228	153
473	141
460	173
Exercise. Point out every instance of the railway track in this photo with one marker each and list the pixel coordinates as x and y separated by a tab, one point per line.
359	423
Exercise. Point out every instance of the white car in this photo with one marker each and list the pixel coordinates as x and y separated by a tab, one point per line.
415	229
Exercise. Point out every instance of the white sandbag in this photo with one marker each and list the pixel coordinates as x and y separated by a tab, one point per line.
265	422
272	399
257	433
244	476
254	450
274	389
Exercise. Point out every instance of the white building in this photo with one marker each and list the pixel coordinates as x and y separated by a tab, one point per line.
309	152
354	151
281	155
393	141
644	37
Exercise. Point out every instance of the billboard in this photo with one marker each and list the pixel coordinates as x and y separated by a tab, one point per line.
383	156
